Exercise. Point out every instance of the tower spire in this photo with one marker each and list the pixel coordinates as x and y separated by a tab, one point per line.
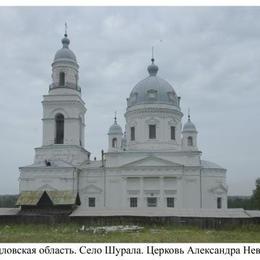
65	41
152	69
66	29
115	119
189	114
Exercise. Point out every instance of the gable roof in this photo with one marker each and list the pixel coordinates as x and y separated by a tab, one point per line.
219	188
151	161
32	198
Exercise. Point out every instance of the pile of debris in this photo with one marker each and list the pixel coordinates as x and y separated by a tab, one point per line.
108	229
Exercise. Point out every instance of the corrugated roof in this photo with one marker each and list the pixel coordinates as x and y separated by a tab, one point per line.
29	198
206	213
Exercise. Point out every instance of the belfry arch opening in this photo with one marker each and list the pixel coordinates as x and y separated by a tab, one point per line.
114	142
59	123
62	78
190	141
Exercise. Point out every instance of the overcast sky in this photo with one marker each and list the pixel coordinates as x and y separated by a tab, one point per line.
210	55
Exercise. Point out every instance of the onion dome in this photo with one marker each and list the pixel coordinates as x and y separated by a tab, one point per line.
115	129
189	126
152	69
65	54
153	90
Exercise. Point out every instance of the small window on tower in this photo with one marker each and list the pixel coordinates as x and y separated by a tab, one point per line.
132	133
114	142
62	79
190	141
152	131
172	132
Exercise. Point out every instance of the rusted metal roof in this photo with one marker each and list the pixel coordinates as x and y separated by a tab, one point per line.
31	198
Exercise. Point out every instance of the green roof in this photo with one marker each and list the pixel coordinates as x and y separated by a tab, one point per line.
29	198
32	198
62	197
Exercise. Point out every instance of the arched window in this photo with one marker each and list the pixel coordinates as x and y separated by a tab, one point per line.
59	121
62	79
190	141
114	142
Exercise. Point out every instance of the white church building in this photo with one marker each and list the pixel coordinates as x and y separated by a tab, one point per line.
154	163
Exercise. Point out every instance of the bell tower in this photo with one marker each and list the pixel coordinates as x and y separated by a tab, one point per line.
115	135
65	67
63	109
189	136
56	170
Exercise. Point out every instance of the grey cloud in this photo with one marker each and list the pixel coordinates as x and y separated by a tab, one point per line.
210	55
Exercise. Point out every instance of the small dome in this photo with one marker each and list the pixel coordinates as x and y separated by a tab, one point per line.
189	126
152	69
153	90
65	53
115	129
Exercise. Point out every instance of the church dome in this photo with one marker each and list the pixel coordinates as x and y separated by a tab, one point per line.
189	126
115	129
65	54
153	90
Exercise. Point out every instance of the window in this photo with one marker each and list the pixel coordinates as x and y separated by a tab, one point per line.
151	202
170	202
190	141
62	79
172	132
133	202
132	133
92	202
152	131
152	94
59	121
80	130
114	142
219	203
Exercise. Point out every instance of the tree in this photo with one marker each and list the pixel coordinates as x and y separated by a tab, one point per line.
8	201
256	194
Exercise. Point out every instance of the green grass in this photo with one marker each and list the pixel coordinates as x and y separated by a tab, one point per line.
161	233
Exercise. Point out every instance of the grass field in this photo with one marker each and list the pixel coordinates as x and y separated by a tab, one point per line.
162	233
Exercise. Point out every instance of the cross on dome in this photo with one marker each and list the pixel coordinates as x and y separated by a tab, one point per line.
115	119
152	69
65	41
66	28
